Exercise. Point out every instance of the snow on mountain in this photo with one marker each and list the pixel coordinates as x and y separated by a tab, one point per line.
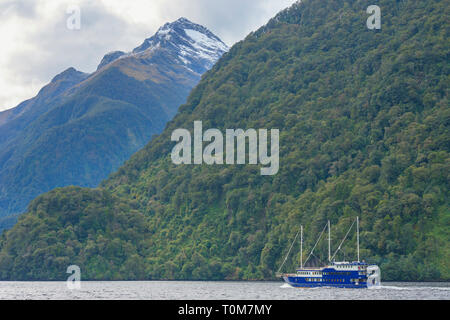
193	45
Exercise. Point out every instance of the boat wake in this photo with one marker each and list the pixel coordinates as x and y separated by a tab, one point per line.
286	285
408	288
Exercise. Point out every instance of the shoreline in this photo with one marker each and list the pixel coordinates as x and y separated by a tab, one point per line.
217	281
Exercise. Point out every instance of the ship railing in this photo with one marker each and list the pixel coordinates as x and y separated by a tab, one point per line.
280	275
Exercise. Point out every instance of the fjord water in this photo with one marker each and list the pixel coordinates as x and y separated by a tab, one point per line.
209	290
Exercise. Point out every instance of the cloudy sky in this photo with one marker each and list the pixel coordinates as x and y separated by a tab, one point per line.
36	43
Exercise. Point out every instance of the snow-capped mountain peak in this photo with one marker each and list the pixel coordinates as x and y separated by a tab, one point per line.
183	42
194	45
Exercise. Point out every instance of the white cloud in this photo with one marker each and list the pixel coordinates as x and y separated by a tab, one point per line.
37	45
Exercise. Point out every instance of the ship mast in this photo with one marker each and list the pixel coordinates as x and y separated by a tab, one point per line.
329	242
357	235
345	237
289	251
301	246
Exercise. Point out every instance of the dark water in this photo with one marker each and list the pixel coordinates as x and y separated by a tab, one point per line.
175	290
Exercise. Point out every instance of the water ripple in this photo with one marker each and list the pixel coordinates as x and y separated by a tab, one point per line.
209	290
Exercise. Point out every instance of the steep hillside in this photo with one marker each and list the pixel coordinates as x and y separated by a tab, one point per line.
363	118
14	120
81	127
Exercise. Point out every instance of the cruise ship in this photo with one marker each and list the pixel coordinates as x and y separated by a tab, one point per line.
342	274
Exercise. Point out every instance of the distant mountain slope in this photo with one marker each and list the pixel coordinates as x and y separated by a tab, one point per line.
81	127
14	120
363	118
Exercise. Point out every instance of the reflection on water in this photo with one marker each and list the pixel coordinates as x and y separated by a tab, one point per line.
196	290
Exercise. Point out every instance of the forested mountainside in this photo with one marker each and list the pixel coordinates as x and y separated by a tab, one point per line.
364	131
81	127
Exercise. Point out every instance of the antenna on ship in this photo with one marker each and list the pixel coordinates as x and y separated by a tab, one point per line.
329	242
357	235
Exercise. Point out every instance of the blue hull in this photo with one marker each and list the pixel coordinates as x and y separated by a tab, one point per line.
326	285
339	275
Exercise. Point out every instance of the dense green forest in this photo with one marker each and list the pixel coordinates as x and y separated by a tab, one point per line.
364	124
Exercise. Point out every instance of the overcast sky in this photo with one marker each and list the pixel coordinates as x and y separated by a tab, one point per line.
36	44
